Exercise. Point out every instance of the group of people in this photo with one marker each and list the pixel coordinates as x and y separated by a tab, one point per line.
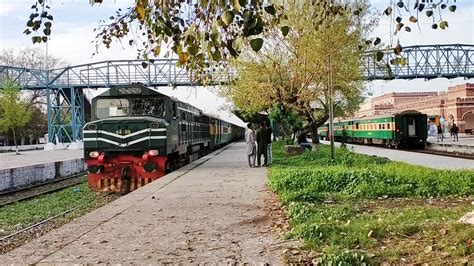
438	131
259	143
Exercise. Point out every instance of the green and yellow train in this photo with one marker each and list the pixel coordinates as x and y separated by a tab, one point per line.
408	129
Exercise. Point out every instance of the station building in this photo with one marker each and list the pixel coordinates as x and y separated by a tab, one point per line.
454	106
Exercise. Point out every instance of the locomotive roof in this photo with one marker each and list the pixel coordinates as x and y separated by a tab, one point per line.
138	90
388	115
380	116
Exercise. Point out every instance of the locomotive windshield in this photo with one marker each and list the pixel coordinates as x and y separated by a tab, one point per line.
152	107
134	106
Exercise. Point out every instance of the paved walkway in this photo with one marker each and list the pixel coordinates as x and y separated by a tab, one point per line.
11	160
212	210
411	157
463	140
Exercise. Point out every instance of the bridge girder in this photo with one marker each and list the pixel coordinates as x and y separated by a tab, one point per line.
422	61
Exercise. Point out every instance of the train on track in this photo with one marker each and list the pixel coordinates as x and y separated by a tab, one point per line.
138	135
408	129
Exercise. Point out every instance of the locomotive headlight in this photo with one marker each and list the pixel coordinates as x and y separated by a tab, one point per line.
149	167
94	154
153	152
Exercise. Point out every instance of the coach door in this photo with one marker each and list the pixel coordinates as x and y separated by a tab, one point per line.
411	126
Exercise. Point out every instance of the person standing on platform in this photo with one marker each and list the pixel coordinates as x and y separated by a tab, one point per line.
440	133
262	144
269	144
454	132
251	148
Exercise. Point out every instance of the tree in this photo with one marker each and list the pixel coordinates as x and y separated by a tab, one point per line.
292	72
212	30
14	112
287	122
35	99
31	58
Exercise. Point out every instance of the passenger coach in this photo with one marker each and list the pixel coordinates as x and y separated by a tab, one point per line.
407	129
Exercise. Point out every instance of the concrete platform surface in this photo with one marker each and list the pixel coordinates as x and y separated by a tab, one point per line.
463	140
11	160
210	211
411	157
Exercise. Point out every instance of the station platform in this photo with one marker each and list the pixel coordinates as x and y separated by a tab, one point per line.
465	145
11	160
213	210
32	167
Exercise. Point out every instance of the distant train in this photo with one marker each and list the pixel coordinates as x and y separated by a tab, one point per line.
138	135
408	129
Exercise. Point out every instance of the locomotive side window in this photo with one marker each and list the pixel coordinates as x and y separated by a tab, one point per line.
174	111
112	107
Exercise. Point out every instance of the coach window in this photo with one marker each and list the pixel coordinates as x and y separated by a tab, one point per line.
388	125
357	125
383	126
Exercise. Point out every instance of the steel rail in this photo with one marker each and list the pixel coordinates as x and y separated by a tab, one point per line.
9	193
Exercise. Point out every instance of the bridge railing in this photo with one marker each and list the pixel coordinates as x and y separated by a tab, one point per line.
429	61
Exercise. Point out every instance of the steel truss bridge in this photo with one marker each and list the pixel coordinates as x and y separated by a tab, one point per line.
67	104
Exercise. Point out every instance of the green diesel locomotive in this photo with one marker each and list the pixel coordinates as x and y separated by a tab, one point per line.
138	135
408	129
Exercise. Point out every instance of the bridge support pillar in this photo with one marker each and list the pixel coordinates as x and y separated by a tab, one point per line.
65	111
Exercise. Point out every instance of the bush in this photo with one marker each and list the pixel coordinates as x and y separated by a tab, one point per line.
310	176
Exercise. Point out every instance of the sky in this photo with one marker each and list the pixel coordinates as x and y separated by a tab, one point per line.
73	36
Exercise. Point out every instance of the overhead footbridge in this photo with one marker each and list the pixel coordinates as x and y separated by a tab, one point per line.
64	87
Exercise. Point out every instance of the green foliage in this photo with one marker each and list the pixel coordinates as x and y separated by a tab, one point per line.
14	112
286	120
353	175
294	69
22	214
207	30
345	208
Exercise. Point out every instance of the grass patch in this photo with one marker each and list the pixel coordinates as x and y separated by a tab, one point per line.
19	215
361	208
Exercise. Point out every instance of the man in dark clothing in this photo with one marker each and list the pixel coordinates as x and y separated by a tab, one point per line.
262	144
269	144
455	131
440	133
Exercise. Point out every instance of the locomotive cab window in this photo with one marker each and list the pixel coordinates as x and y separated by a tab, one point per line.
112	107
149	107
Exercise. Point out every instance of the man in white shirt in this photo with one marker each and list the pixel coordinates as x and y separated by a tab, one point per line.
251	147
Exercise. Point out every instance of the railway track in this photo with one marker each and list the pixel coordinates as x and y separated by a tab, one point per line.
21	194
447	154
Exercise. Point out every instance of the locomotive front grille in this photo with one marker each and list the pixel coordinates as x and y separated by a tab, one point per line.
120	185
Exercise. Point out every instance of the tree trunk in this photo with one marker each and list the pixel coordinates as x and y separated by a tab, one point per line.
14	140
314	133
